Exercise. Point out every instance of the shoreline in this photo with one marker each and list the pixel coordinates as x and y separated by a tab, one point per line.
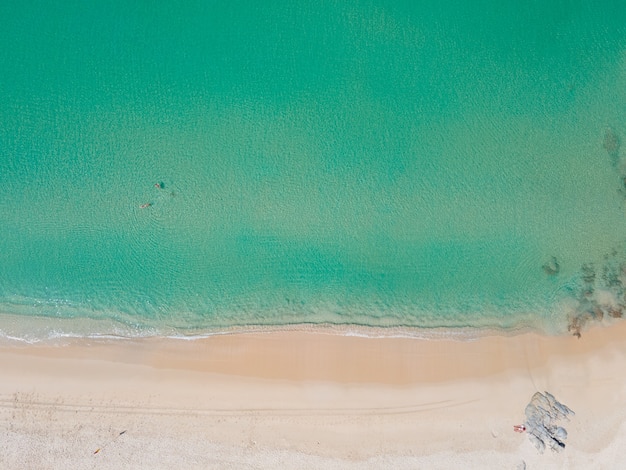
310	398
15	329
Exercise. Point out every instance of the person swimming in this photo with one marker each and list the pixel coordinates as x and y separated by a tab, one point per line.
147	204
159	185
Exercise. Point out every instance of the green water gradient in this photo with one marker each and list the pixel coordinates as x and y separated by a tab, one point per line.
362	162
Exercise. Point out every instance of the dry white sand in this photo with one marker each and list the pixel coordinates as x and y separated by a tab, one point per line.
309	400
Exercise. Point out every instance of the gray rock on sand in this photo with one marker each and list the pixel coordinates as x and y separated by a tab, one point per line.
542	414
560	434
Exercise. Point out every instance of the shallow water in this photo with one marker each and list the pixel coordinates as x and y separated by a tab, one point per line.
368	163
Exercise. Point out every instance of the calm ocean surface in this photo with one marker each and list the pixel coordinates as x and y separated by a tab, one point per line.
377	163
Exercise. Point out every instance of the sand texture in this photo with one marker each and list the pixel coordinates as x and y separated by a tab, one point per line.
300	399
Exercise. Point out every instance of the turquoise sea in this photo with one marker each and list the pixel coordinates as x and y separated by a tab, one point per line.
378	163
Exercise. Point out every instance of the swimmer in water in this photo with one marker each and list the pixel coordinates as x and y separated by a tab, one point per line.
147	204
159	185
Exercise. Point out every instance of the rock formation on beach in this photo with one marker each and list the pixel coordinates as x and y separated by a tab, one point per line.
542	414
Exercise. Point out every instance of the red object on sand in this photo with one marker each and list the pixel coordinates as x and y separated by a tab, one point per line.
519	428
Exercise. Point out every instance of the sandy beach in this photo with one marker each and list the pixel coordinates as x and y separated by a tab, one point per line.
309	399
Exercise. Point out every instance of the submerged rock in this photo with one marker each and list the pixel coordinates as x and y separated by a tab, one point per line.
588	273
598	314
578	320
611	276
542	414
552	267
611	143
